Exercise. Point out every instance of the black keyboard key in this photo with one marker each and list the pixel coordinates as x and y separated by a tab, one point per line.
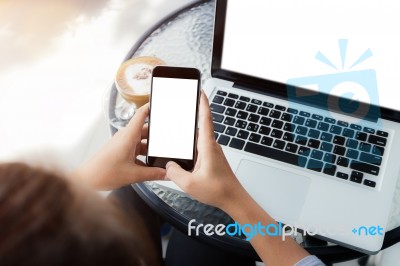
382	133
316	154
287	117
315	165
233	96
265	121
254	137
369	158
264	130
241	124
217	108
343	161
253	127
289	127
229	102
355	127
352	154
369	130
254	118
339	150
242	115
325	146
231	131
330	120
348	133
335	130
263	111
377	140
361	136
312	133
280	108
304	151
240	105
222	93
365	147
217	117
313	143
275	114
305	114
378	150
218	99
356	177
252	108
301	140
288	137
231	112
275	154
298	120
243	134
279	144
326	136
329	169
342	123
267	104
311	123
224	140
342	175
244	98
290	147
229	121
369	183
276	133
216	135
292	111
277	124
267	141
364	167
237	143
219	128
323	126
351	143
301	130
255	101
330	158
338	140
317	117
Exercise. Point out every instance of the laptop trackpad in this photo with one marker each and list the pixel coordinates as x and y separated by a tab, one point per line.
281	193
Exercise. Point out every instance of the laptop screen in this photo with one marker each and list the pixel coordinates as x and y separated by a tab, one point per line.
353	44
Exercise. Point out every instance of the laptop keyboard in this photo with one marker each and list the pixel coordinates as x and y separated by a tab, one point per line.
308	140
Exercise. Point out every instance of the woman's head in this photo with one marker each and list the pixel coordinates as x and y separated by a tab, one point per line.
46	220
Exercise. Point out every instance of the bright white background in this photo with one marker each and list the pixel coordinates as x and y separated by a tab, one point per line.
173	118
282	38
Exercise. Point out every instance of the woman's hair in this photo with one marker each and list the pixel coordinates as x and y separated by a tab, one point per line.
46	220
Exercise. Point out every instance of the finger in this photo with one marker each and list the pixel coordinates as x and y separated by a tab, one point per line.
139	118
206	126
146	173
143	148
178	175
145	131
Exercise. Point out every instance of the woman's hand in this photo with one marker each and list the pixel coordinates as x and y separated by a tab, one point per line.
116	164
212	180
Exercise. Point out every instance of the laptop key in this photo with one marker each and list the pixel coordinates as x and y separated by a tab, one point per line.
343	161
217	117
355	127
377	140
244	98
329	169
288	137
330	158
361	136
312	133
348	133
219	128
218	99
289	127
263	111
292	111
277	124
369	183
253	127
304	151
382	133
330	120
351	143
216	135
311	123
267	104
378	150
290	147
237	143
366	147
369	130
301	140
316	154
335	130
217	108
242	115
267	141
301	130
305	114
229	102
252	108
323	126
233	96
315	165
364	167
287	117
231	112
338	140
327	147
342	175
313	143
298	120
280	108
275	114
222	93
241	124
276	154
276	133
279	144
243	134
339	150
255	101
326	136
317	117
255	137
264	130
231	131
352	154
369	158
224	140
240	105
265	121
356	177
254	118
342	123
229	121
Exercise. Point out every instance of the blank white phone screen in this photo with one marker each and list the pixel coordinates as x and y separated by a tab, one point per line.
172	118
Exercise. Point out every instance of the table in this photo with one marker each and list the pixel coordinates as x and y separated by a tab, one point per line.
185	39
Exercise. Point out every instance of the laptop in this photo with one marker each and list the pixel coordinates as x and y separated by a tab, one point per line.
303	102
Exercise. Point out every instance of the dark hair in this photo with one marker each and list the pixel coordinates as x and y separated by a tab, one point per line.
46	220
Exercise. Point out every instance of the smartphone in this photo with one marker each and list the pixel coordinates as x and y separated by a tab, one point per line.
174	105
